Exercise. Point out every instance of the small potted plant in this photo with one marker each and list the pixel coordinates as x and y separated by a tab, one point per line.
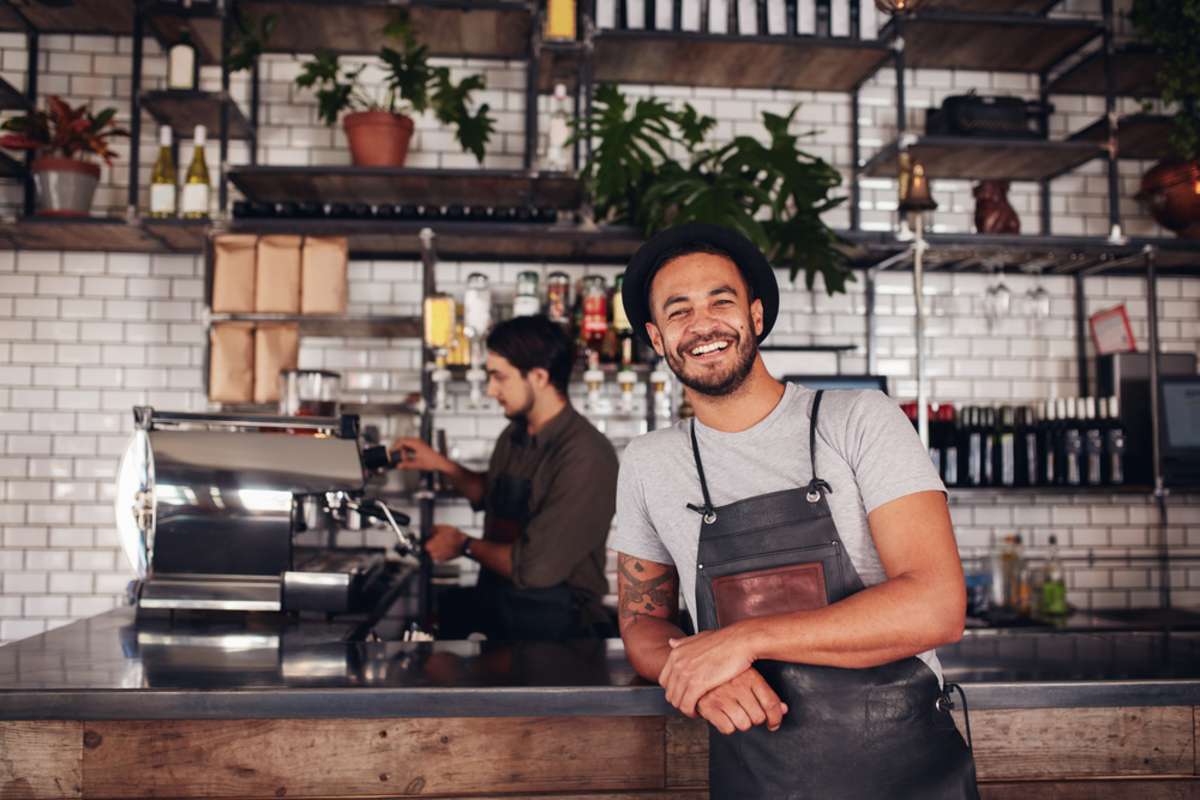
1171	189
378	127
63	138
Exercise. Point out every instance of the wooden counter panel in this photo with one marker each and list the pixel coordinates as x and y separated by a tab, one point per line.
1049	743
40	760
357	757
687	752
1110	789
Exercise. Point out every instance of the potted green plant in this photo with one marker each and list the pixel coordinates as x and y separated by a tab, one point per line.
1171	189
773	191
63	138
377	125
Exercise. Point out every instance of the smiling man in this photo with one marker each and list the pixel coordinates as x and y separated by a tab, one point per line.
547	498
809	537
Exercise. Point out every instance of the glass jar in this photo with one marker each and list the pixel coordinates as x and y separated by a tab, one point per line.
477	305
527	302
439	321
558	298
595	311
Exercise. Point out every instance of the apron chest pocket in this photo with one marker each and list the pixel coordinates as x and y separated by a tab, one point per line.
796	579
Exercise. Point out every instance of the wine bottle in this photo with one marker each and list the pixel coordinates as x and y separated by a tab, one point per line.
950	456
181	64
1093	444
1047	445
195	185
974	447
1028	454
989	436
163	178
1114	443
1072	444
1005	471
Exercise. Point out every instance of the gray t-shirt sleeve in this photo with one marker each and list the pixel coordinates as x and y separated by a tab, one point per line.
634	534
885	452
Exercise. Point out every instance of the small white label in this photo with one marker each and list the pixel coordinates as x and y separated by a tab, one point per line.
162	198
526	306
181	67
195	198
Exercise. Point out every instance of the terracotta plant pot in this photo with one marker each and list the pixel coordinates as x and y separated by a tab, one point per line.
65	186
378	138
1171	190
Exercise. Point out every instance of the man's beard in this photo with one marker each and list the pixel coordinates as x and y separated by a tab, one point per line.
521	414
720	383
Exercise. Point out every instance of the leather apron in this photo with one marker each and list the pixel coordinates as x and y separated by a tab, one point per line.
507	613
877	733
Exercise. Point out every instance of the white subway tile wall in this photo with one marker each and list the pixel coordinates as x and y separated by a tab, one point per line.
85	336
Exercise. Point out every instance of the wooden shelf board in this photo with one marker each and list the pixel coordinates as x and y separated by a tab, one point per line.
991	6
450	28
79	234
387	185
337	326
179	235
986	159
92	17
1134	69
184	109
766	62
559	62
1013	43
11	97
560	242
1140	136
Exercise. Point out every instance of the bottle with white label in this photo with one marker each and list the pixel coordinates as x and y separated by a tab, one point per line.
557	152
162	178
181	64
194	203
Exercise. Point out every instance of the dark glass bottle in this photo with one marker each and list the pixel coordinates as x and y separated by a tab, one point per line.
1028	455
1048	445
1072	445
1093	444
987	433
949	444
1114	443
973	447
1004	468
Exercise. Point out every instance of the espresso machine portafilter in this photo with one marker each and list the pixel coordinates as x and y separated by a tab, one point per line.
207	506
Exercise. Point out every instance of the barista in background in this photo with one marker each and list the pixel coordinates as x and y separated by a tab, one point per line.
548	497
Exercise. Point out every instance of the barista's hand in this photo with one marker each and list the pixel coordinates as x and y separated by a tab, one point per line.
744	702
698	664
445	543
415	454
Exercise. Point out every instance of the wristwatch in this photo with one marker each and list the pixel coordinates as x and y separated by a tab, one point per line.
466	548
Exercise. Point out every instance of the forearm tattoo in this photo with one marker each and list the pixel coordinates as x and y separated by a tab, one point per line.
646	588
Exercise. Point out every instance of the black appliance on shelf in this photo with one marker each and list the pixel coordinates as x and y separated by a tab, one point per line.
988	117
1127	377
1180	403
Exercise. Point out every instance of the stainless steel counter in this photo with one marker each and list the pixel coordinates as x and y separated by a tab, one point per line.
114	667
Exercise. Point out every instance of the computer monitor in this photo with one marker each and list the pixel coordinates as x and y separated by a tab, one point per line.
1180	402
840	381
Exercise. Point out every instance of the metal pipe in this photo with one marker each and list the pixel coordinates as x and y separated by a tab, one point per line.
31	90
1110	111
1081	356
1160	492
872	328
855	168
255	89
223	123
1044	215
531	89
427	496
918	247
135	118
898	62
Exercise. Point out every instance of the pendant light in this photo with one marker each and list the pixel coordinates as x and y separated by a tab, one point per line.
915	194
897	6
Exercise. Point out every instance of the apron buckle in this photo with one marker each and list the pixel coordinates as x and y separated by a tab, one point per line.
706	512
815	487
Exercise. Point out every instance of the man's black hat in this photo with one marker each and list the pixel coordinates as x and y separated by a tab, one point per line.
649	258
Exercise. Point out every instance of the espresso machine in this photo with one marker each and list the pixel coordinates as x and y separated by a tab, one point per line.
208	507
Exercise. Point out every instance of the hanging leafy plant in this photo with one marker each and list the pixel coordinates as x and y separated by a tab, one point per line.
1172	27
774	192
249	39
411	85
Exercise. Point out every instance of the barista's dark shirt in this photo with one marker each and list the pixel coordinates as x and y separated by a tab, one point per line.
572	469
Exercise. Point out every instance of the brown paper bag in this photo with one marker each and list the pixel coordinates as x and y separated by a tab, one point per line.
278	275
276	347
233	273
231	363
323	278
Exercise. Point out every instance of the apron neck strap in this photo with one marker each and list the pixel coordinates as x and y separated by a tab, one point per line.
816	485
706	510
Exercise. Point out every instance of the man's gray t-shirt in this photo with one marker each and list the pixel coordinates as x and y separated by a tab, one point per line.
867	450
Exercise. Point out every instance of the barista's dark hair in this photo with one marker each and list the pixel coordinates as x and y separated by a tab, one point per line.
532	342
